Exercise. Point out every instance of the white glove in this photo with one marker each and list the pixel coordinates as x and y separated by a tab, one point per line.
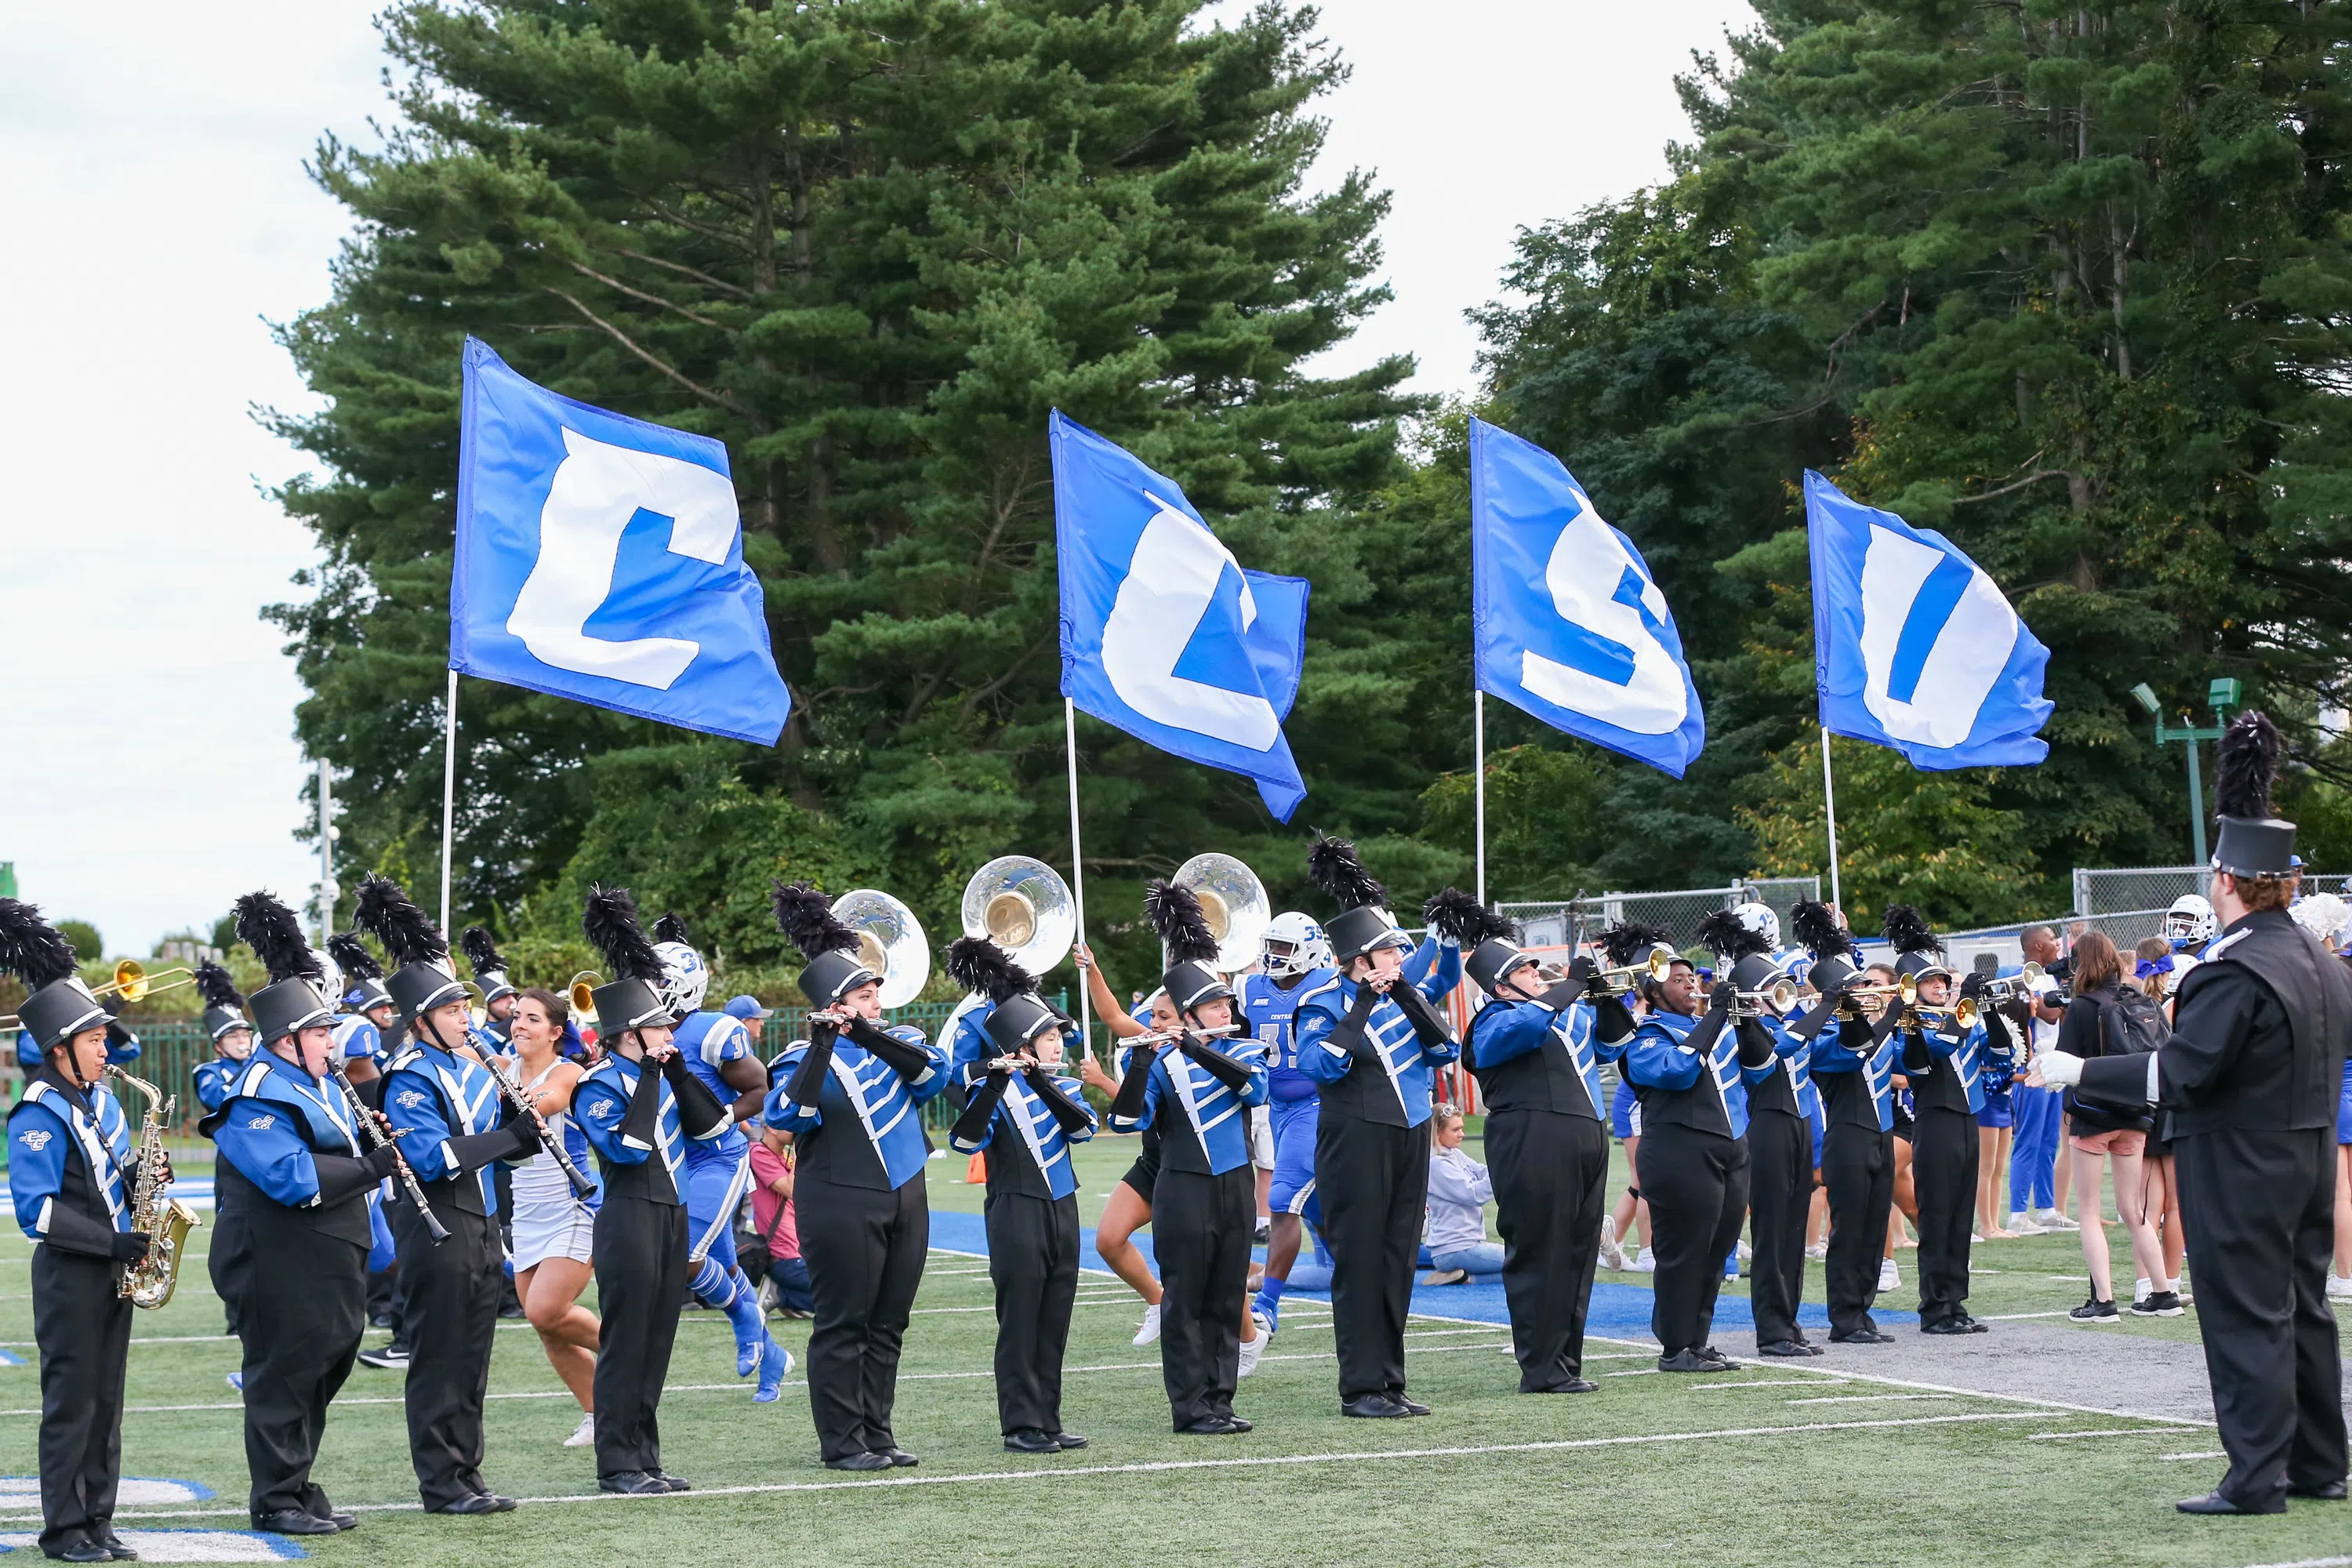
2058	1069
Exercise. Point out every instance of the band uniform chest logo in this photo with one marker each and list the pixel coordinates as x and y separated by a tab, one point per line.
36	1140
410	1099
262	1123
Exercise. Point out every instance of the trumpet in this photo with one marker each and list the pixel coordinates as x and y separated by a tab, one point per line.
1958	1016
2026	986
1621	981
1853	999
1778	998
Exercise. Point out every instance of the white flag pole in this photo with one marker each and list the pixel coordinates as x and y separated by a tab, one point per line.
1077	867
1478	742
1829	800
448	793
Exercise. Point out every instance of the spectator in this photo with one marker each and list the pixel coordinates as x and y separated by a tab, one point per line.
2038	1181
786	1287
2154	966
1459	1191
2093	1027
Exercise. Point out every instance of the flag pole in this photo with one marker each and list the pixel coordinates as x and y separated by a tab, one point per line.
1078	868
448	792
1478	742
1829	800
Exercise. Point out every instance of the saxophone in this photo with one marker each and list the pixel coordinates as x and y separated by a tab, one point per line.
154	1213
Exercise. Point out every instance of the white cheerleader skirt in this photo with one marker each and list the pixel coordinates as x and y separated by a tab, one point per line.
549	1220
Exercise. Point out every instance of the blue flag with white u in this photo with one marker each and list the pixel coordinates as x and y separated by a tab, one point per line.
1913	646
1163	634
1569	624
601	558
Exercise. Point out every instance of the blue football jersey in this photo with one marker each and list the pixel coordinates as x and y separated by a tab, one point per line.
1268	1011
708	1040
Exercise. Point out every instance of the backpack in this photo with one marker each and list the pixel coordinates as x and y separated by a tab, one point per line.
2133	1024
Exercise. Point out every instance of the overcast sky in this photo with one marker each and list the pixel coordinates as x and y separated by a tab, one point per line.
157	215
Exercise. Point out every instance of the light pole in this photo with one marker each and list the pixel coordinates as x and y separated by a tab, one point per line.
2221	696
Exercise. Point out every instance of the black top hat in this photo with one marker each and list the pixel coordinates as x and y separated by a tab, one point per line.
805	916
1192	979
362	975
420	978
291	1001
1364	923
2252	841
1827	941
223	1005
59	1007
489	967
1919	951
982	967
632	998
1017	1020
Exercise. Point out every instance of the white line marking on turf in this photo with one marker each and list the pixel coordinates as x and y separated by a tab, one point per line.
2307	1562
1822	1382
1868	1398
1051	1473
2102	1432
2213	1454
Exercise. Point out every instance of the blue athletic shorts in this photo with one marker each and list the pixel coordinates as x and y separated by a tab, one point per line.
1625	1112
1292	1190
1819	1124
706	1182
2344	1107
1997	1111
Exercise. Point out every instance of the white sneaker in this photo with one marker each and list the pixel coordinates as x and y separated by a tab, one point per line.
1252	1350
2339	1289
1889	1277
584	1435
1612	1255
1744	1251
1647	1263
1817	1252
2050	1219
1150	1328
2021	1225
2140	1287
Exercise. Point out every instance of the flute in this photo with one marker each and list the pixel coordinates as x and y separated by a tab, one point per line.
374	1122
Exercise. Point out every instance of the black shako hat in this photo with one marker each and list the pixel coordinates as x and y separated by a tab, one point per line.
1827	941
1188	947
59	1007
1018	1014
293	1000
805	916
1490	942
420	978
224	1003
630	999
362	975
489	967
1920	951
2251	842
1747	952
1364	923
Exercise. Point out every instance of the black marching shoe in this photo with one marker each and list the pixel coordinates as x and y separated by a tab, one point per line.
1573	1385
1959	1323
116	1547
2214	1503
633	1483
294	1522
2327	1491
898	1457
675	1483
1694	1360
1373	1407
859	1462
80	1550
1214	1426
1786	1348
1862	1337
476	1502
339	1520
1031	1440
1068	1440
1411	1407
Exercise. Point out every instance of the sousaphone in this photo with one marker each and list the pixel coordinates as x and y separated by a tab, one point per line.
1234	903
1023	907
890	942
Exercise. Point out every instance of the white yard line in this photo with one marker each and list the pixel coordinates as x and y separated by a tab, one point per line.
2209	1454
1868	1398
2102	1432
1824	1381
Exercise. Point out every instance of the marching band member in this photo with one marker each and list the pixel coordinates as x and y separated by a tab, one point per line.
367	1030
1780	1136
70	1174
2248	1085
499	992
1853	1068
1372	1157
447	1106
554	1227
1026	1118
228	1258
295	1172
1293	964
849	1096
1944	1062
1692	1075
638	1122
1204	1205
1536	1055
720	1052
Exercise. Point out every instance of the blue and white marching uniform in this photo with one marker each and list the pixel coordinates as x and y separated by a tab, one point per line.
214	1078
1781	1103
1855	1073
717	1174
1947	1068
68	1159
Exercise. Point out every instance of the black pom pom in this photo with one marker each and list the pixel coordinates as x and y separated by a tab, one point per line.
271	930
216	985
1457	915
1908	931
2248	762
1629	940
481	952
1819	930
407	932
1333	866
30	948
1175	913
670	928
980	965
805	916
1723	932
352	956
609	921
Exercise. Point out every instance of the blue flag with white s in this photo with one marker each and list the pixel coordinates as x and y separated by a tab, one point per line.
601	558
1913	646
1569	624
1163	634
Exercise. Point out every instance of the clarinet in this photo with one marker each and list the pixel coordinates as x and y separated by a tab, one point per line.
581	1182
383	1140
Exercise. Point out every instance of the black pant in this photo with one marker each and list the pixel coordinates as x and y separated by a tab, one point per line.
864	1251
303	1316
1033	1260
1779	1194
640	1251
452	1320
1696	1185
229	1262
1944	1174
1201	1230
1858	1169
1373	1181
1551	1181
2259	1208
84	1330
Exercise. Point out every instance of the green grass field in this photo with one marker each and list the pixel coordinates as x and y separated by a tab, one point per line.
1778	1464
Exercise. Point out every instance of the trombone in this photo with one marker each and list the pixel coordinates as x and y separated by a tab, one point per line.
134	983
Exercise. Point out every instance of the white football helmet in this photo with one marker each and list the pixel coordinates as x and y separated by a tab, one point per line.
1760	918
1294	945
685	978
2189	921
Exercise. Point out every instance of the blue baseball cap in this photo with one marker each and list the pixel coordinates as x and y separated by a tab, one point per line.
747	1008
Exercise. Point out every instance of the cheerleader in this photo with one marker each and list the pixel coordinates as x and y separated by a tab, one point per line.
554	1226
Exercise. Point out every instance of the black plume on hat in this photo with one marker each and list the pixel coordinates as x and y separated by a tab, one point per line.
352	956
1817	927
407	932
1724	931
670	928
1456	914
481	952
1333	866
977	964
609	921
271	930
1628	939
1908	931
1175	913
2248	762
214	984
31	949
805	916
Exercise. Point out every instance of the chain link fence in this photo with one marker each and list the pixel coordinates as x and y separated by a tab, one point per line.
1566	922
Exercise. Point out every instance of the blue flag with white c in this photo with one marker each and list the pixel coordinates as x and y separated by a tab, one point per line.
1913	646
1163	634
1568	624
601	558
